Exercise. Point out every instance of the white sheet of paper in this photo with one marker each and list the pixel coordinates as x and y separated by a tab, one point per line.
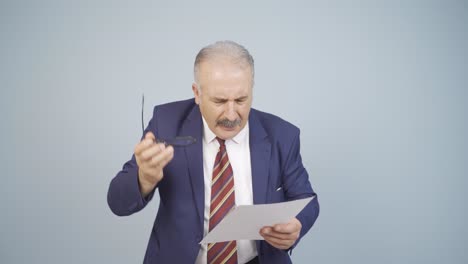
245	221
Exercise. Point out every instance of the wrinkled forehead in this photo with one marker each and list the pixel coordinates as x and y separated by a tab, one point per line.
224	62
214	62
224	71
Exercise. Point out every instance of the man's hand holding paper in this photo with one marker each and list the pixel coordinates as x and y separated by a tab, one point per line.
282	236
261	221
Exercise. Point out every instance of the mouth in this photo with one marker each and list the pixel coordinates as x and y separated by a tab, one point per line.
227	128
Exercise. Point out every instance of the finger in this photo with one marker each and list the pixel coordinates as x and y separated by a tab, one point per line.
161	160
273	244
143	145
284	228
146	142
291	227
151	151
150	136
279	243
167	155
170	155
270	232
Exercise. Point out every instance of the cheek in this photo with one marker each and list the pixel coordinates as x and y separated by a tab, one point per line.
213	113
244	110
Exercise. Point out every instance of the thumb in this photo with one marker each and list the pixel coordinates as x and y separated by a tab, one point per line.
280	227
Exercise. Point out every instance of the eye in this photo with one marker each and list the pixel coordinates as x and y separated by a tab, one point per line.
219	101
241	100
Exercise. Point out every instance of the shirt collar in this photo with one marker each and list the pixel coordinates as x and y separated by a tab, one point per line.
209	136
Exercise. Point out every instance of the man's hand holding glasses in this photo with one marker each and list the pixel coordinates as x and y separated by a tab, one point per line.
151	158
153	154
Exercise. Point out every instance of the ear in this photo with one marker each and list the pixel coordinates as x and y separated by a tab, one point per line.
196	93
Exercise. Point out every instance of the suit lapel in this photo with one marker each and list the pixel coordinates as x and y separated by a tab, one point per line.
260	149
193	126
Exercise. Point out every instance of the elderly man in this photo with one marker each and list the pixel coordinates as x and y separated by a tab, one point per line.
241	157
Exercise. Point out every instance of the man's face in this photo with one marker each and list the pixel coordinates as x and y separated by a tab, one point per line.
225	97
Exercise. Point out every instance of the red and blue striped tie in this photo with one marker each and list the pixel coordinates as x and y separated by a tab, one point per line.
223	200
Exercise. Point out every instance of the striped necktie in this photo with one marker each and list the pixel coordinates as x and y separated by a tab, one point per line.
222	201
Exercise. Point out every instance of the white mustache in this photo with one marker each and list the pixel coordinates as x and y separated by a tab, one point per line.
228	123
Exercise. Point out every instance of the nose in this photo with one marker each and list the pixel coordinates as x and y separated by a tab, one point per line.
230	112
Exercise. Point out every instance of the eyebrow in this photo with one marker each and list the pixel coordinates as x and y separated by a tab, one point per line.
242	98
224	99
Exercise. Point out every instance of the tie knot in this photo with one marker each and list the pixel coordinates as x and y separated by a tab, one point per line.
221	142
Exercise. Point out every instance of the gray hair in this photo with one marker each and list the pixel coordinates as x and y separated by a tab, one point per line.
230	49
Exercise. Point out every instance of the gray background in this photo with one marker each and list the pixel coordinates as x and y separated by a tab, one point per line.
379	90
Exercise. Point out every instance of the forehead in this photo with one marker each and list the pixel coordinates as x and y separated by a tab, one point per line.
224	76
223	68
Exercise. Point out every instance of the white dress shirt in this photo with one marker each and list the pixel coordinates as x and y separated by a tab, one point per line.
238	150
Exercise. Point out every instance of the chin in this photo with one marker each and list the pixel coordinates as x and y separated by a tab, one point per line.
227	134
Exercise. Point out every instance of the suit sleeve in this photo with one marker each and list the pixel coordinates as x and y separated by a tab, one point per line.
124	196
297	186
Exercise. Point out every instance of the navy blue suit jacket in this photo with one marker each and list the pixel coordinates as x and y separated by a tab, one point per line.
178	227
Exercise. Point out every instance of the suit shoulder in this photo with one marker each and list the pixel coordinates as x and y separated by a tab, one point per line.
181	108
188	103
169	117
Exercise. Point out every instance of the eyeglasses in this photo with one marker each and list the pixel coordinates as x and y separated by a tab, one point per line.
181	141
